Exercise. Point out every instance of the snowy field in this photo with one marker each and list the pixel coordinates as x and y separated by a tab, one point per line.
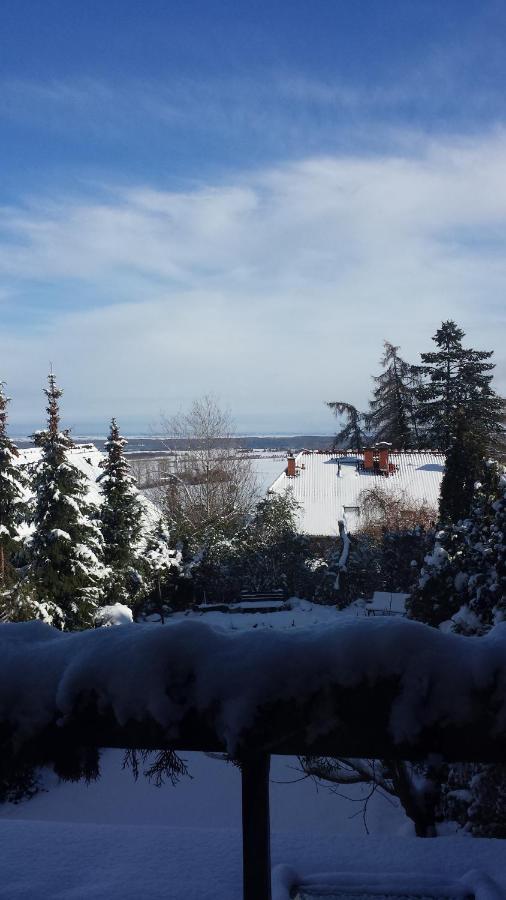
267	466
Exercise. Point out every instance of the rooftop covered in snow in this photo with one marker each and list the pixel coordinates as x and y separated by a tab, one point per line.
328	486
88	459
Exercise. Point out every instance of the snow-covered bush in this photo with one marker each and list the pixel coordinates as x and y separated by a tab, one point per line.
462	588
463	578
117	614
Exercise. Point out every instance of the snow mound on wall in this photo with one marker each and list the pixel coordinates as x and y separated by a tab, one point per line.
144	672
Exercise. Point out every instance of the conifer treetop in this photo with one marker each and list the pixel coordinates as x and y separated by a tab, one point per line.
53	394
457	383
6	445
392	409
52	436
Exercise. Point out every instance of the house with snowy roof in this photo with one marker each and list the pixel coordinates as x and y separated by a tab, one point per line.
88	459
330	487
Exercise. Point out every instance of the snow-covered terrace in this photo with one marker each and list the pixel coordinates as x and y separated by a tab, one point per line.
328	486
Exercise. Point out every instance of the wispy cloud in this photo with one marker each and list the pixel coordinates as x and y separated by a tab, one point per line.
285	108
275	289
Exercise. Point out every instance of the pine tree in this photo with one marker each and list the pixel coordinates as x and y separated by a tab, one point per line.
457	388
464	461
462	412
12	484
121	522
392	409
65	565
352	434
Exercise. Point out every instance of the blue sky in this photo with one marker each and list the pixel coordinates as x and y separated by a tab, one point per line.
245	198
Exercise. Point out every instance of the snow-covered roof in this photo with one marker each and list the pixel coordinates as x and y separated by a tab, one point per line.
328	486
87	458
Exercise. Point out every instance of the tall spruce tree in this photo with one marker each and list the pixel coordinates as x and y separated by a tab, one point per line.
12	507
121	522
352	435
462	414
392	409
464	460
65	550
457	387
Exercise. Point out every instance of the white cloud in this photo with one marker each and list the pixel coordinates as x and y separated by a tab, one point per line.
275	290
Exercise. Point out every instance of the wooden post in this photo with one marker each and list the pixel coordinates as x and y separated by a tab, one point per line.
256	838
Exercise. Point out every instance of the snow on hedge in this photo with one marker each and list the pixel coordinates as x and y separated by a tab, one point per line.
142	671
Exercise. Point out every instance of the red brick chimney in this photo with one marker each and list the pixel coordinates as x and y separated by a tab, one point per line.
290	469
383	459
368	458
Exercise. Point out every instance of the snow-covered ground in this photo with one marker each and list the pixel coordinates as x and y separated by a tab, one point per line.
302	614
123	840
66	861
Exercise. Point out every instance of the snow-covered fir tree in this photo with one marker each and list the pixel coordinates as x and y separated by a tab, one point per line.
121	519
12	507
65	569
392	411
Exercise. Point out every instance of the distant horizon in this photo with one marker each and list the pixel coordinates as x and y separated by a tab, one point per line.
100	436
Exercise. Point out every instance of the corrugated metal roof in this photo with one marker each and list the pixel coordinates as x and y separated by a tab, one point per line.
327	495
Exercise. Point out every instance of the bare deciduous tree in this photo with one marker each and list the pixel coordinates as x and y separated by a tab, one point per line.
416	787
392	511
209	482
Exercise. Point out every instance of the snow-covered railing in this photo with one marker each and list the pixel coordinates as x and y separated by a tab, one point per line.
361	688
